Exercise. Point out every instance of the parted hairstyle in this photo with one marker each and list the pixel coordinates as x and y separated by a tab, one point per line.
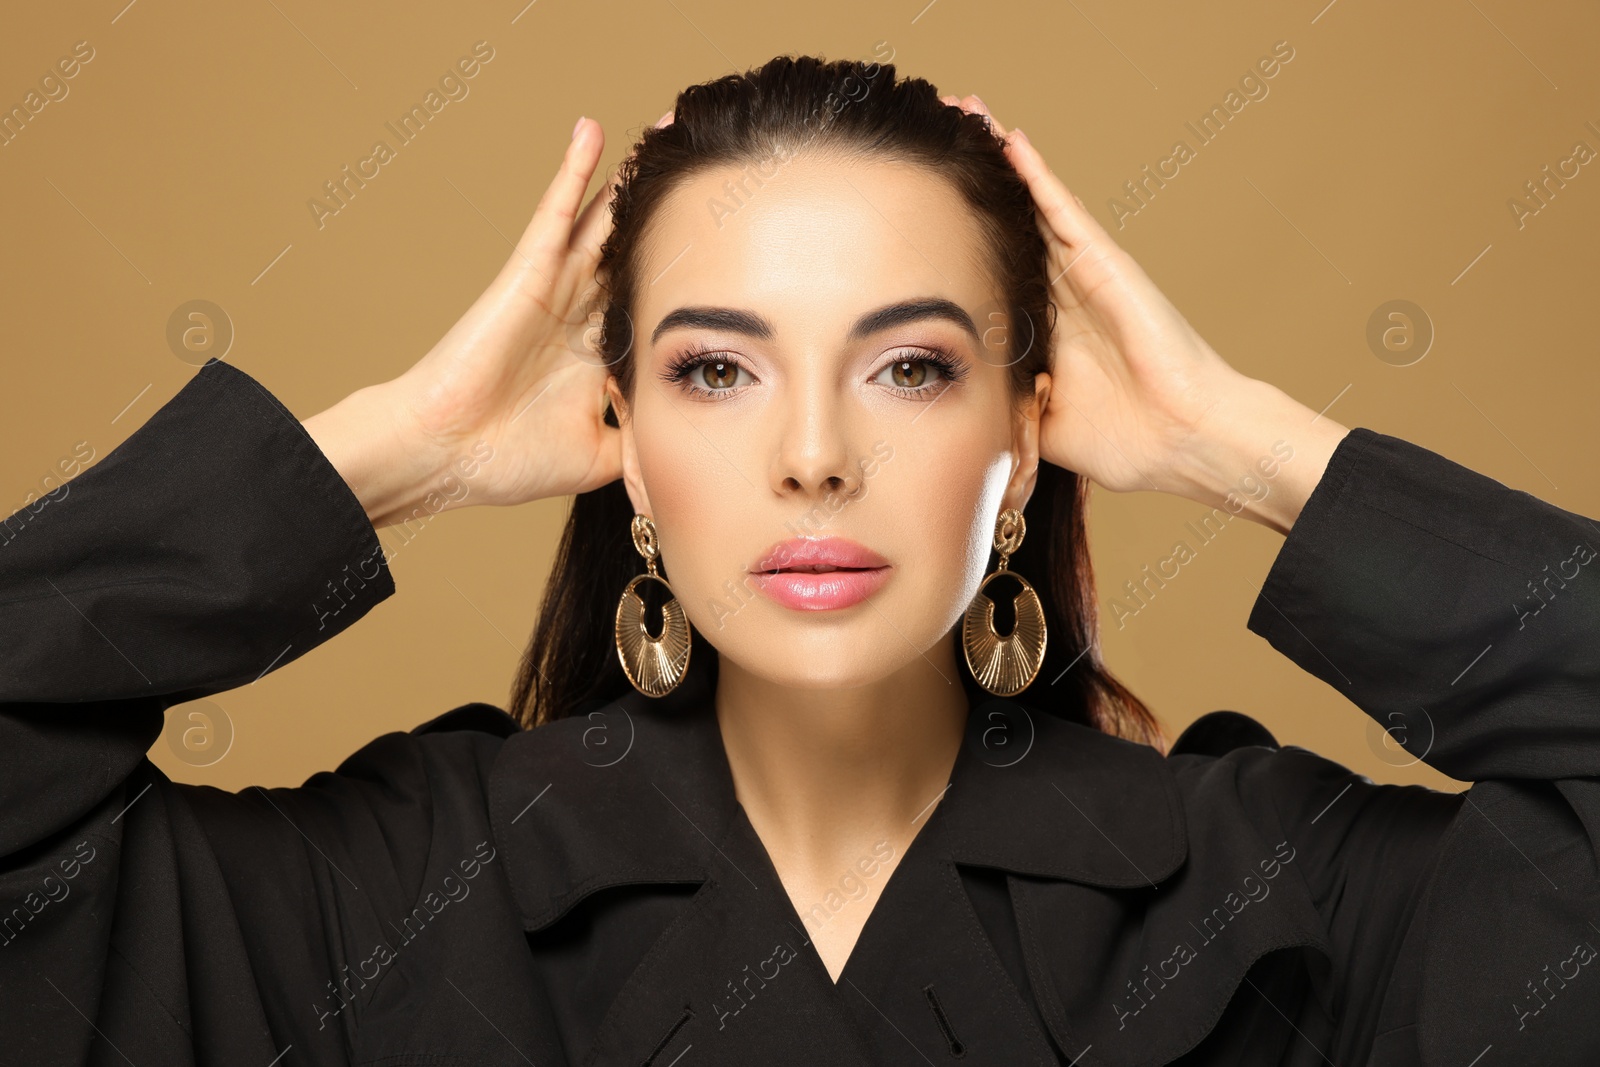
848	109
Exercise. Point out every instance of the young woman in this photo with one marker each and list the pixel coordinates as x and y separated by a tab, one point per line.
820	787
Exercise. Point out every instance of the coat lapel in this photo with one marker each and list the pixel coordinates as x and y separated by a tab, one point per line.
1032	794
632	792
734	981
1140	906
1109	876
636	792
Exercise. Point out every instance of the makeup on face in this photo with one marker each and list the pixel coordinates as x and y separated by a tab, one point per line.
819	574
772	348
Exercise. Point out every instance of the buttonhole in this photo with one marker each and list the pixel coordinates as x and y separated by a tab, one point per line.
688	1013
956	1046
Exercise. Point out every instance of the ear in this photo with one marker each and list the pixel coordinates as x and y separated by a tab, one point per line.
631	477
1025	444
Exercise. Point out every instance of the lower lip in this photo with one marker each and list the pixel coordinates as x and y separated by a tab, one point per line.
821	590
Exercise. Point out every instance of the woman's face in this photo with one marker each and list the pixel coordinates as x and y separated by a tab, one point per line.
821	354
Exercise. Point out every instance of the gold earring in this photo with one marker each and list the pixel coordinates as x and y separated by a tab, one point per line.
1005	665
655	665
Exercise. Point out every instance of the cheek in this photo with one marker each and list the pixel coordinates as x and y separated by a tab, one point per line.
696	496
939	500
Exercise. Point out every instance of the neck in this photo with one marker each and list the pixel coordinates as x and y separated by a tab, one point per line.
825	773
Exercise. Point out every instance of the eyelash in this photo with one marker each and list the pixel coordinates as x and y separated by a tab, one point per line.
679	367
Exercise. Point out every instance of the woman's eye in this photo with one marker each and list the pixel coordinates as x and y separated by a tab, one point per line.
717	375
910	373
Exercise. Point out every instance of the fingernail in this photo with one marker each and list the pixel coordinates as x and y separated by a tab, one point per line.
981	105
664	119
1019	135
575	127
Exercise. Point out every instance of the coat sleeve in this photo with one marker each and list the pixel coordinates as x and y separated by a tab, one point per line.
1463	617
215	544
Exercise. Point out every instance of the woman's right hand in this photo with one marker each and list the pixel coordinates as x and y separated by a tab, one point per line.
512	380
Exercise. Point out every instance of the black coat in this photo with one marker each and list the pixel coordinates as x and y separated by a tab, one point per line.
591	891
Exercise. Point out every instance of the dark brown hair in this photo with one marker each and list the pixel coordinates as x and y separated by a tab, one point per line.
851	109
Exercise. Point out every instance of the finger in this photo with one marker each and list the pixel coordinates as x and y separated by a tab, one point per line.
975	103
608	456
592	226
1068	219
589	234
545	241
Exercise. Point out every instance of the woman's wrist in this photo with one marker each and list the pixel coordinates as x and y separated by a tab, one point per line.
389	470
1258	453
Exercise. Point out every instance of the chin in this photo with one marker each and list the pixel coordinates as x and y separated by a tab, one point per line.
801	673
825	650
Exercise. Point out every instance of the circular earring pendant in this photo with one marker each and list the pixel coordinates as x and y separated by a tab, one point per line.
1005	665
655	665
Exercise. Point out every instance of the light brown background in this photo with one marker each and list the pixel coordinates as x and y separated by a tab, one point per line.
1379	167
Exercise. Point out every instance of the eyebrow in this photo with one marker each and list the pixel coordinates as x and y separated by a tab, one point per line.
750	324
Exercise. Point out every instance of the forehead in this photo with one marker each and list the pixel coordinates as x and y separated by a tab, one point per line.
814	239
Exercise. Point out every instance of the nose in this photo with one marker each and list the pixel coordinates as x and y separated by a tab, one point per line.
813	456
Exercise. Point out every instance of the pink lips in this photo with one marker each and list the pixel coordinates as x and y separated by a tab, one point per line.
819	574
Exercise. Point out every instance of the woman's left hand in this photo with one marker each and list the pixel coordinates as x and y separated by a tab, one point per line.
1138	399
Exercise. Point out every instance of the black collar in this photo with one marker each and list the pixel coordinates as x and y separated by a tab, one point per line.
639	791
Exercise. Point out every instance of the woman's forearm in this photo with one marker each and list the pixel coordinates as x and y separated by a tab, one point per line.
1260	454
389	468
